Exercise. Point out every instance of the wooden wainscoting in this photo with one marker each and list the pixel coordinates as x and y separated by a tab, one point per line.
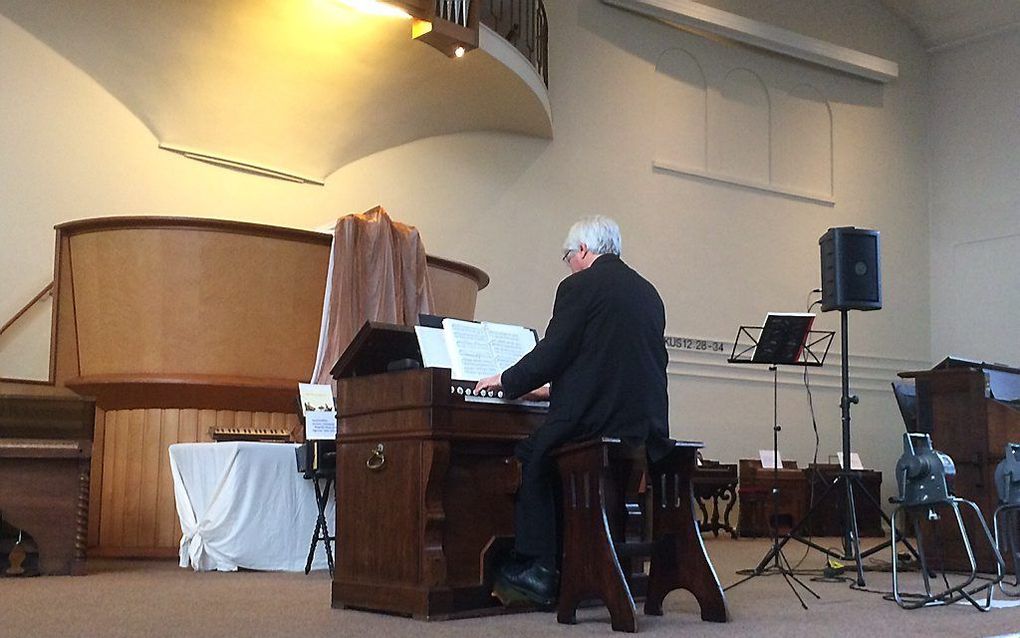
132	511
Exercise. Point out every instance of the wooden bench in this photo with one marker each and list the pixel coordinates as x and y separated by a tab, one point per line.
596	555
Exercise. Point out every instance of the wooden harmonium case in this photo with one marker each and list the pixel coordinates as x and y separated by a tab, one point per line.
758	513
45	452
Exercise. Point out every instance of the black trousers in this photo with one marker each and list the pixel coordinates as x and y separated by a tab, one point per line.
536	515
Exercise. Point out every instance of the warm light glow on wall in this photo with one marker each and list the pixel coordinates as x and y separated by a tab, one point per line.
420	28
376	7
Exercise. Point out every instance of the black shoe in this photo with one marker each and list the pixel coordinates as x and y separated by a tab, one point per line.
534	584
511	567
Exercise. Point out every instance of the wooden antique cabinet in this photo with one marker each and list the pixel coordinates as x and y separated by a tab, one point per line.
425	493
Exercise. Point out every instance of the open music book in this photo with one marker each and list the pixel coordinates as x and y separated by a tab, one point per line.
783	337
473	350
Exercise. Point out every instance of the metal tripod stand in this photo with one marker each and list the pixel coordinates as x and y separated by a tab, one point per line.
779	563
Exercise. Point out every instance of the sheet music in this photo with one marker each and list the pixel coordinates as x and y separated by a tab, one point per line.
782	337
509	343
855	460
770	459
432	344
470	354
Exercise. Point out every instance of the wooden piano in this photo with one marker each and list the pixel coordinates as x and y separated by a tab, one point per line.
972	410
45	451
425	483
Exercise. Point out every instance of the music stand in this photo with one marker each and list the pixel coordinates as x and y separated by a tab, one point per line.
785	339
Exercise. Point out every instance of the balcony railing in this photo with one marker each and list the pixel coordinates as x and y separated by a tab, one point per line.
455	11
522	23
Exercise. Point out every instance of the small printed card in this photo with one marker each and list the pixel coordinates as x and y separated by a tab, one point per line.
319	411
320	426
855	460
770	459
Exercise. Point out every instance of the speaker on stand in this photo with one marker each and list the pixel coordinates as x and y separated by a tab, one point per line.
851	280
851	273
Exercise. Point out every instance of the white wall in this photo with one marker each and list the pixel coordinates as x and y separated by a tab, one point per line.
975	200
721	255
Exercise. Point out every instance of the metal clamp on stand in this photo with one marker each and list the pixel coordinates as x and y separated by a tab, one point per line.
923	476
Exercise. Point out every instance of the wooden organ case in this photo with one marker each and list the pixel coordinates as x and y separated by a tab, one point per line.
425	484
971	410
183	328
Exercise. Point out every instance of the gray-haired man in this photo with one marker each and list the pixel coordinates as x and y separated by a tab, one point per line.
604	358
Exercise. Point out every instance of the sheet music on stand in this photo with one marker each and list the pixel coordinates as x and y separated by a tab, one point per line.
784	339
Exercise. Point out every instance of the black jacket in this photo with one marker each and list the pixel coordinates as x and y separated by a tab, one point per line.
603	354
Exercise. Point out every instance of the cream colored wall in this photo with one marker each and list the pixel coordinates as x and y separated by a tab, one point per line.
721	255
975	201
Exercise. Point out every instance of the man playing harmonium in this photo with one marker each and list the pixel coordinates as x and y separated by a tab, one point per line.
604	358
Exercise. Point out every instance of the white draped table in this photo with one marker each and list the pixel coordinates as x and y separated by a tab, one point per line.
244	504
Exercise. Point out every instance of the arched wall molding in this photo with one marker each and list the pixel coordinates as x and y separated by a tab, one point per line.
822	194
741	102
801	92
703	84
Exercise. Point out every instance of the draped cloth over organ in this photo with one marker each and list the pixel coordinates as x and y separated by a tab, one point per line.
377	272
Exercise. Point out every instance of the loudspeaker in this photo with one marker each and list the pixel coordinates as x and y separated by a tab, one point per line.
850	269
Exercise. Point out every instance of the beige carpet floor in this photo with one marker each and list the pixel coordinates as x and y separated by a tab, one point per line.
157	598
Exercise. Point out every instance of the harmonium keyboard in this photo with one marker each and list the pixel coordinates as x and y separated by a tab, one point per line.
466	390
263	434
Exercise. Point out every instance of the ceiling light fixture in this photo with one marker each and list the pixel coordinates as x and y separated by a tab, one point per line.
451	27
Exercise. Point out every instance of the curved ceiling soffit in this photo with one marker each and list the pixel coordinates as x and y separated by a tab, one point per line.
299	87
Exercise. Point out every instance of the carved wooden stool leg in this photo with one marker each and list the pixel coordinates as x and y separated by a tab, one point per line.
591	568
679	559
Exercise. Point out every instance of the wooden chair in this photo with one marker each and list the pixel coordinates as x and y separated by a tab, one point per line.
596	556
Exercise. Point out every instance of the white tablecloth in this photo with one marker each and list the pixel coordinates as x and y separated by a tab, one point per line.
244	504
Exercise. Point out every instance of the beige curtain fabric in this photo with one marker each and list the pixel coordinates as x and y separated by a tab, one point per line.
377	273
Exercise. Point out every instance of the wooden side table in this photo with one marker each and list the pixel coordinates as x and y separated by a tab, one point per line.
716	482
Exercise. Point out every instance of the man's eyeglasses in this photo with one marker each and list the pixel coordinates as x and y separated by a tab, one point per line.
567	254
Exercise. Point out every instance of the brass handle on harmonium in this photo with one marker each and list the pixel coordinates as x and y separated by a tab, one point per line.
377	460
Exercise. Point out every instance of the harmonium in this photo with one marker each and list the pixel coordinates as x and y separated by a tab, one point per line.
971	410
760	514
45	451
425	481
828	506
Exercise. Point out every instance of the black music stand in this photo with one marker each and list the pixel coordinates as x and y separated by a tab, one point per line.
785	339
